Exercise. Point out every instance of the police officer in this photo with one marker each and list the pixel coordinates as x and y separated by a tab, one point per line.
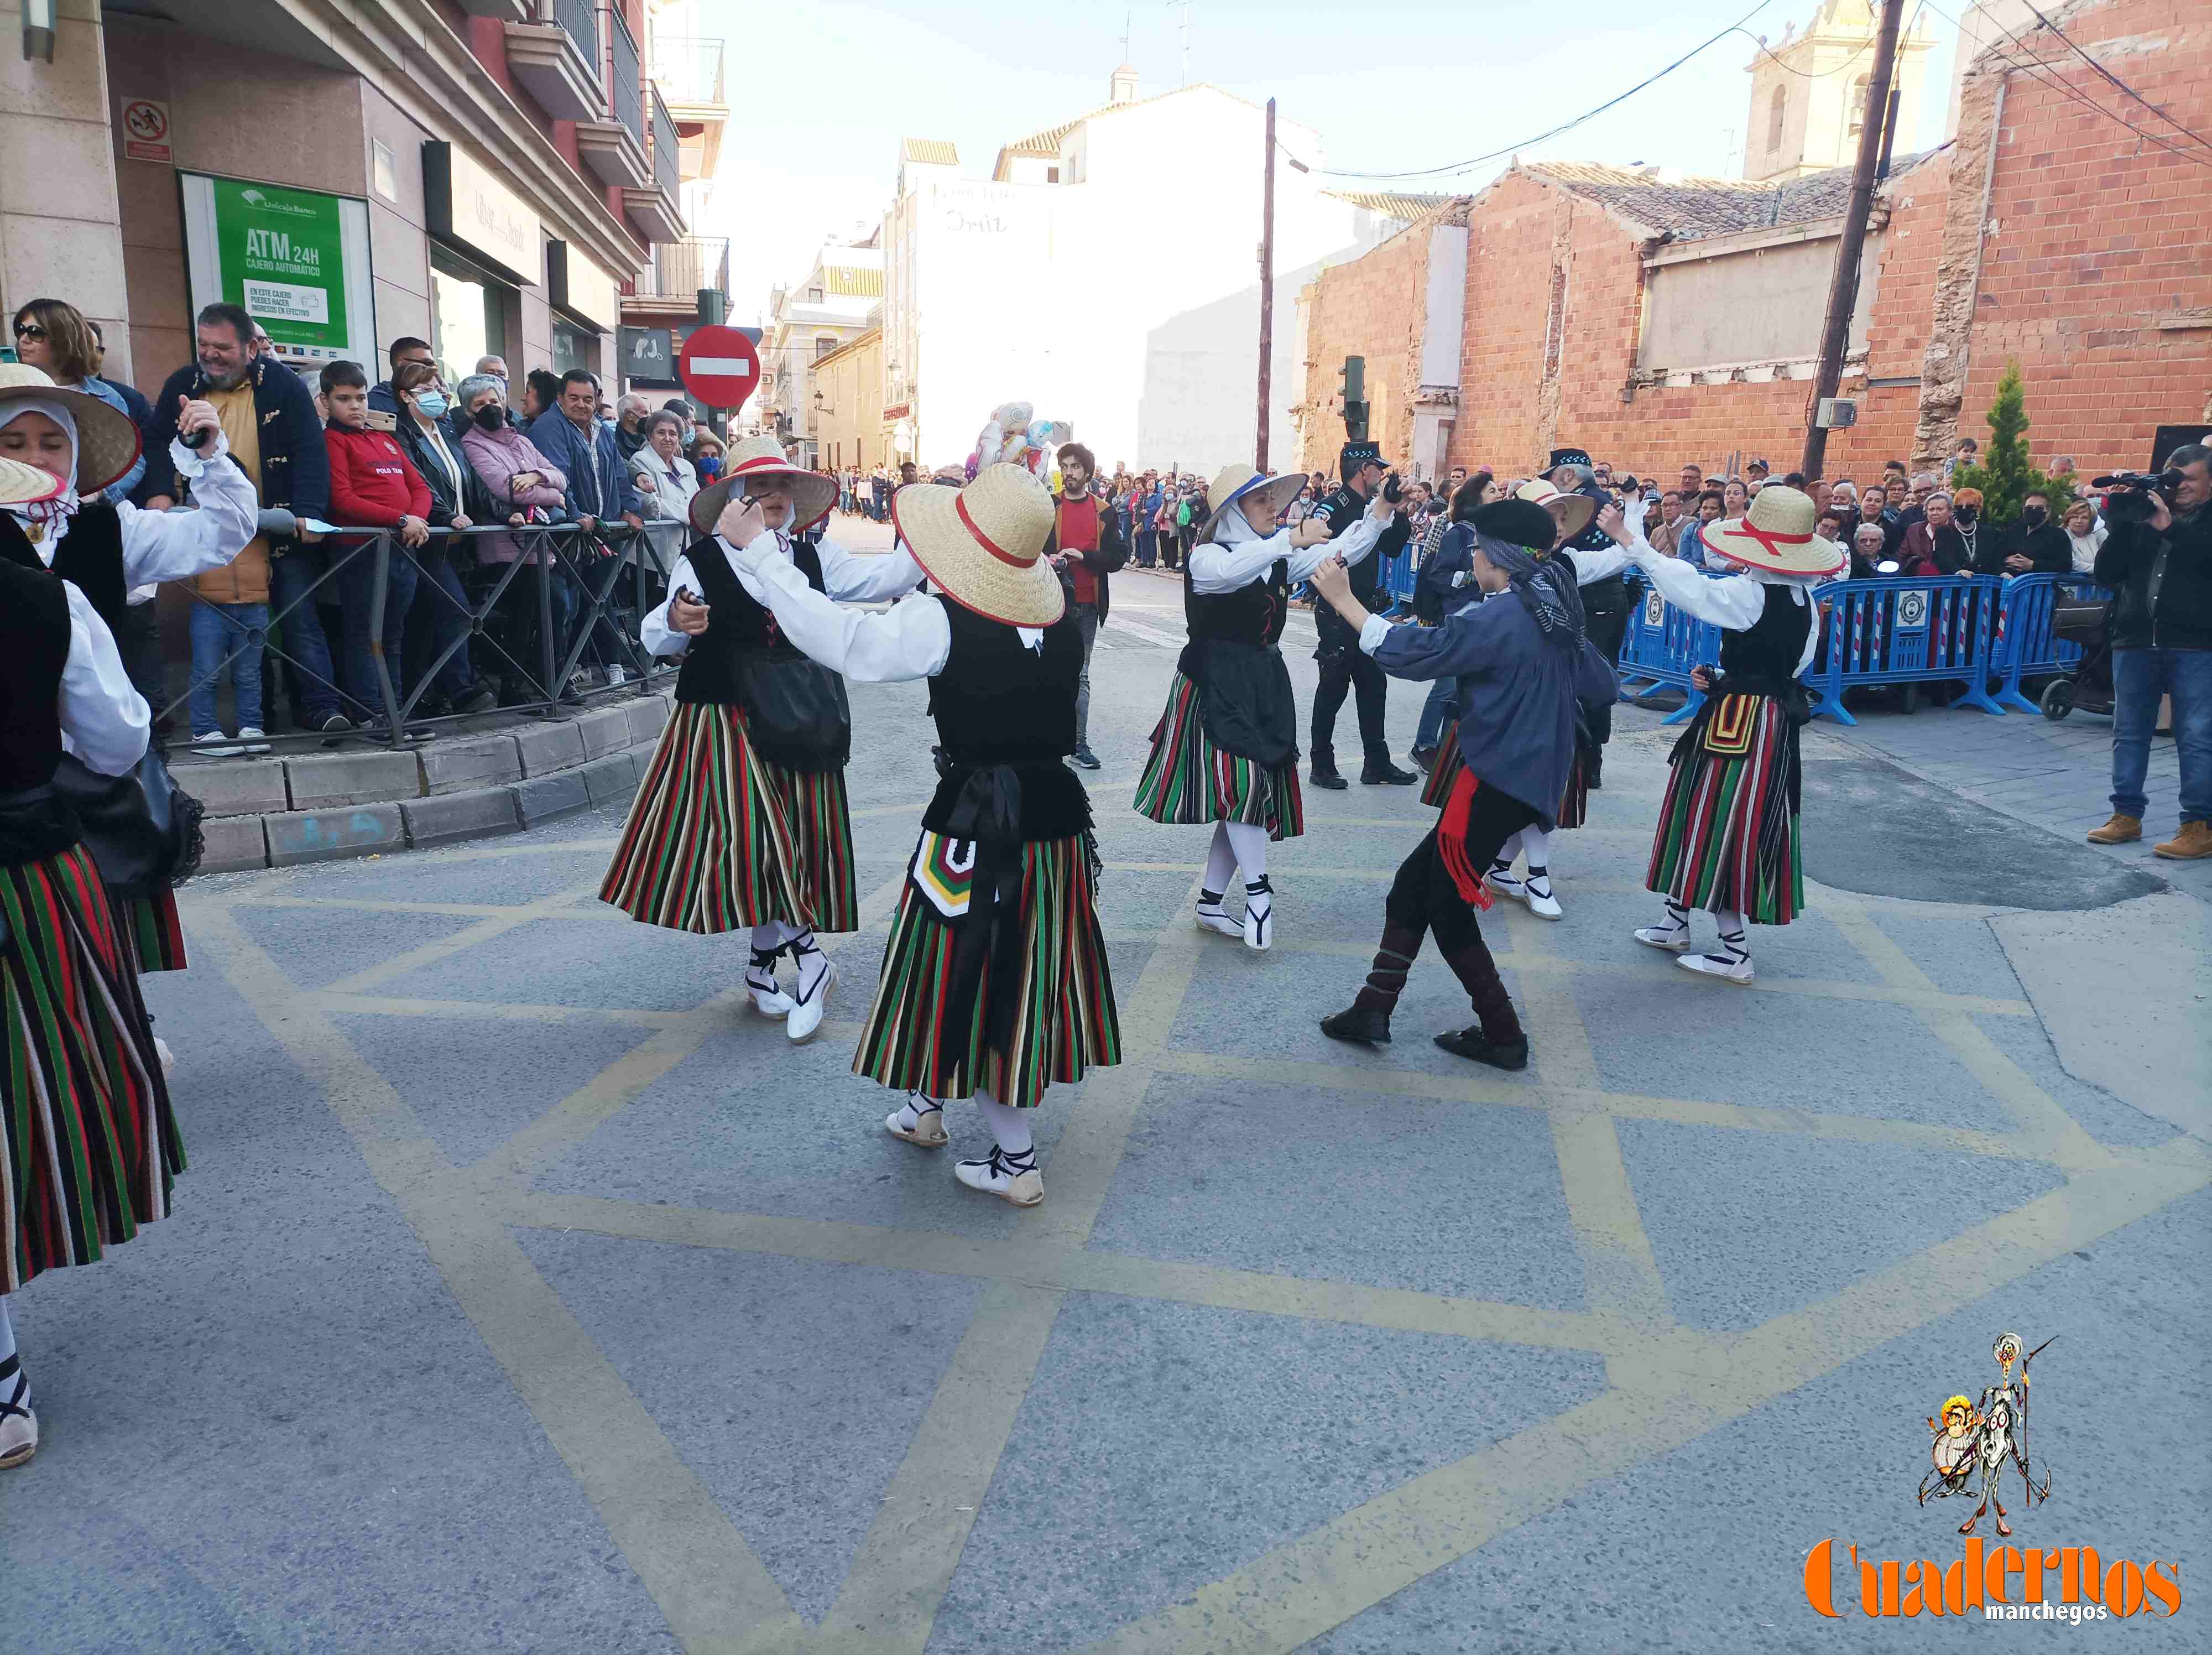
1605	603
1343	663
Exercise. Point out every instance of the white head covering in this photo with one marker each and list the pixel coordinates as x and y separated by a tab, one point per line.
46	520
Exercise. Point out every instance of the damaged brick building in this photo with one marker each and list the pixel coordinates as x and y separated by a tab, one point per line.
1656	320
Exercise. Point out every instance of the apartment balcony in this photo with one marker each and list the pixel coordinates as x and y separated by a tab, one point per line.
507	11
657	209
680	269
689	72
614	151
556	60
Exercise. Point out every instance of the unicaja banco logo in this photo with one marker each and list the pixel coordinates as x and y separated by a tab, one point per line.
1976	1445
261	202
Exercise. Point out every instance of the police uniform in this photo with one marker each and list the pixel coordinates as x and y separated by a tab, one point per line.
1605	603
1344	664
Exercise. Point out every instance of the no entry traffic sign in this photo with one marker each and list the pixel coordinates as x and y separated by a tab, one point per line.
720	367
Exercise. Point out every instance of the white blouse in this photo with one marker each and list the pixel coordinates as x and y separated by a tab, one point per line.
170	545
848	577
104	721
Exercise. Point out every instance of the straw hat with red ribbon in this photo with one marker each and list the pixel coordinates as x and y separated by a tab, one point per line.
1777	535
982	546
107	443
746	463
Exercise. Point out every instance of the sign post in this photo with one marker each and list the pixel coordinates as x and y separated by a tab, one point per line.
719	366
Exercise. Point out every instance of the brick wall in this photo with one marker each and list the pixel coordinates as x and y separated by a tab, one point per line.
1374	306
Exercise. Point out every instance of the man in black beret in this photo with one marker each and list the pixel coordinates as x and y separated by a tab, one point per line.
1343	664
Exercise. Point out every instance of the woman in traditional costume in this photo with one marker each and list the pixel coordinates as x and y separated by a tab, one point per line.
88	1144
1727	839
1525	671
742	820
1226	749
994	983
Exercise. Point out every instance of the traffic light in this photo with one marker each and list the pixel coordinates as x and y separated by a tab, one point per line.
1354	397
714	306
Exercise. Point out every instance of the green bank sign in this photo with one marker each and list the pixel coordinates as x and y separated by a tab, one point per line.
296	259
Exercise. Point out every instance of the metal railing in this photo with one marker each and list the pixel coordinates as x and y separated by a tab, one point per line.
576	16
688	68
680	269
667	151
552	628
625	83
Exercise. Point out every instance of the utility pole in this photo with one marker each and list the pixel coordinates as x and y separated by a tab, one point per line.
1184	7
1844	287
1267	294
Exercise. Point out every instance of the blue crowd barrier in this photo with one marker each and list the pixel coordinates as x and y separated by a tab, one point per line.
1901	630
1660	647
2027	647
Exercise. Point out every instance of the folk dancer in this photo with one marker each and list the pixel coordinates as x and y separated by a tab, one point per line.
1344	664
1524	666
994	982
115	553
742	819
89	1147
1727	839
1225	750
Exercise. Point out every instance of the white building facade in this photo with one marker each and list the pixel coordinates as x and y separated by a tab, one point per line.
1048	284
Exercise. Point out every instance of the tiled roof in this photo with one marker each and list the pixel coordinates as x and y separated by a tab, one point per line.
1392	204
852	282
1690	209
937	152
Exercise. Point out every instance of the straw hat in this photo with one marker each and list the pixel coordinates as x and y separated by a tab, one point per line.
107	438
1777	535
982	546
24	485
1574	511
1232	483
811	495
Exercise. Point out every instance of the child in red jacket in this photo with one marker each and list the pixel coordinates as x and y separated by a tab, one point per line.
372	486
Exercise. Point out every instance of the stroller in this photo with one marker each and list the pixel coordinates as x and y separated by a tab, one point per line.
2087	623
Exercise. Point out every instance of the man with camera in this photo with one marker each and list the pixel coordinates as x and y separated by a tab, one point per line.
2158	560
1343	664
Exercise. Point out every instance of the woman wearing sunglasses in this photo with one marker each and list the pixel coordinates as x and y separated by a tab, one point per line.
56	337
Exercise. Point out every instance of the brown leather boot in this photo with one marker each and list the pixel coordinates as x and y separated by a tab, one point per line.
2120	831
2194	841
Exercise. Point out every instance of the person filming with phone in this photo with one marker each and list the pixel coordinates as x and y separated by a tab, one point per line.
2157	559
1369	489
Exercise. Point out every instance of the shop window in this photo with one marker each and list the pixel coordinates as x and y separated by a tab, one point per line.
468	312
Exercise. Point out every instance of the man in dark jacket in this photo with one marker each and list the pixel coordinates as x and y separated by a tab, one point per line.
1605	603
290	468
571	436
2033	545
2161	570
1085	545
1344	666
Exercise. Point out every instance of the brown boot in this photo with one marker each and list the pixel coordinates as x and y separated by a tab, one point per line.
2120	831
2194	841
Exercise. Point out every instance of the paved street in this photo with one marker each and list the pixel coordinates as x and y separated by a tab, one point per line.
526	1292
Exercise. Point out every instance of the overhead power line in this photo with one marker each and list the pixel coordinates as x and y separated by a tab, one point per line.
1564	126
2109	75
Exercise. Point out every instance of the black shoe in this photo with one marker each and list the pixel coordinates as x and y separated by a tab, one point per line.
1086	758
1499	1055
482	699
1386	774
1593	776
335	729
379	730
1358	1026
1424	760
1324	771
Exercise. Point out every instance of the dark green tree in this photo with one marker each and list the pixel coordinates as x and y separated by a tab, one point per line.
2005	477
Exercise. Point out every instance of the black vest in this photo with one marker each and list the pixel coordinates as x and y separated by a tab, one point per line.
1253	614
34	641
1762	659
89	558
1346	508
999	701
740	625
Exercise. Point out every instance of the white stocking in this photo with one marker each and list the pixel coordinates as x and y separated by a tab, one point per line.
6	1331
1220	862
1247	842
1502	862
1009	1125
1734	943
772	934
1538	845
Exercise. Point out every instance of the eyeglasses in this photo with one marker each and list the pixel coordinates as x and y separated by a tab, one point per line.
29	331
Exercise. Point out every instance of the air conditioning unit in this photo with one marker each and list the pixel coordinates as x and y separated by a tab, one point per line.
1834	413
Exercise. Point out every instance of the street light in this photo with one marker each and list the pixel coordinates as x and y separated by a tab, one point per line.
38	30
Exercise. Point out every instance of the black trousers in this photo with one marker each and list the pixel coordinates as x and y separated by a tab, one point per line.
1422	897
1349	668
1604	628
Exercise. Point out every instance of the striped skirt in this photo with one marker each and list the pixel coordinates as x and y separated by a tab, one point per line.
88	1144
153	936
1574	803
1728	828
1065	1022
720	840
1189	780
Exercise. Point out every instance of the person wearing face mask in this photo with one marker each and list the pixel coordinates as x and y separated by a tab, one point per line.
2033	545
1966	518
457	501
524	487
741	821
103	549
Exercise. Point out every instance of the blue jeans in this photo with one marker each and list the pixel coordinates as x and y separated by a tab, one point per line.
314	691
1436	712
236	631
2140	676
356	584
